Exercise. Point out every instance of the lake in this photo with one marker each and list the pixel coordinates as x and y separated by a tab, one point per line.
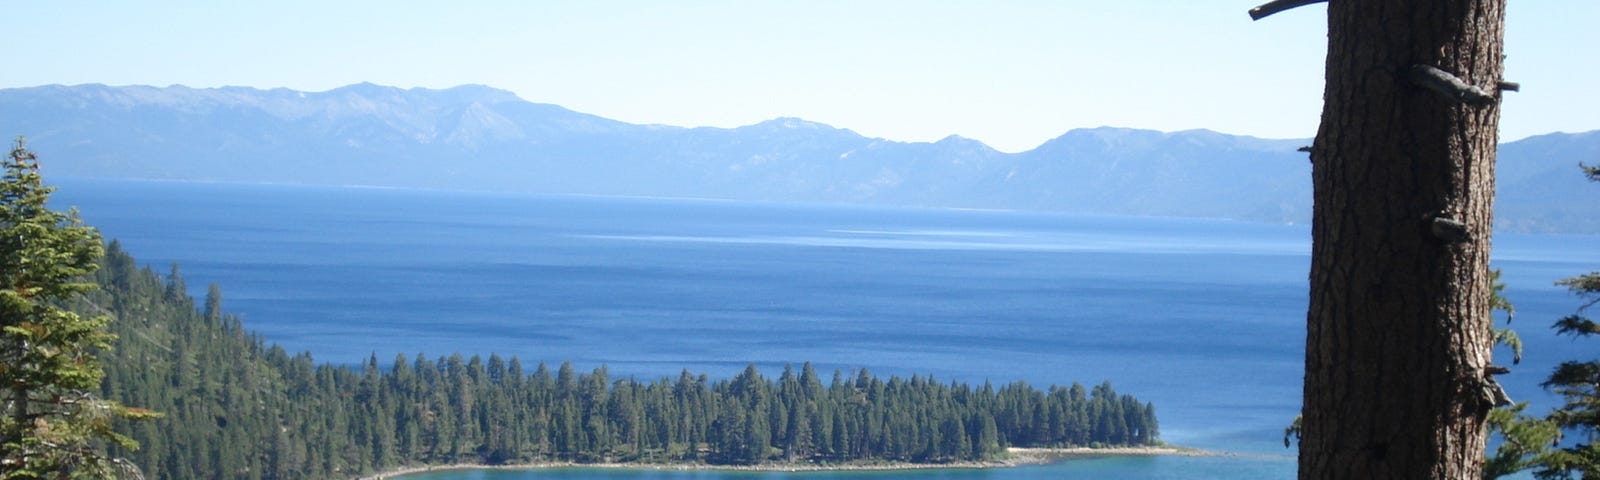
1205	318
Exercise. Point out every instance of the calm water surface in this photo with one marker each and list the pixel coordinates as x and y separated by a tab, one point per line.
1204	318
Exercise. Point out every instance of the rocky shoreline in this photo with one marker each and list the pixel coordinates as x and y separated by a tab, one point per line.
1017	456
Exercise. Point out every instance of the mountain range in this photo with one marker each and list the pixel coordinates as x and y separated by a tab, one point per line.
480	138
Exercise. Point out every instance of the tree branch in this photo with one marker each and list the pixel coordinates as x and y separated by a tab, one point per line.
1432	78
1449	229
1276	6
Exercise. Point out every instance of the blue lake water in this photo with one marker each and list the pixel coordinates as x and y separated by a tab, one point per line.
1204	318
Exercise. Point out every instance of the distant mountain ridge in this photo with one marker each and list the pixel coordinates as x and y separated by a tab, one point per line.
481	138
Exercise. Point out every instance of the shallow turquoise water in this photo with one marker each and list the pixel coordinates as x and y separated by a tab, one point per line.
1104	468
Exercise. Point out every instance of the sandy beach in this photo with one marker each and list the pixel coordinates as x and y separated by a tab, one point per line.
1038	455
1017	456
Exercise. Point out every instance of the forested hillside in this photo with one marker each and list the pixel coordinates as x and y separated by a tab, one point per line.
238	407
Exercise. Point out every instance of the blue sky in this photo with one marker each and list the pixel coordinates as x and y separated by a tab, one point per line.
1012	74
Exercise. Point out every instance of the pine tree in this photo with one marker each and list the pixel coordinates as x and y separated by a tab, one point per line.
1398	340
1578	382
213	311
47	353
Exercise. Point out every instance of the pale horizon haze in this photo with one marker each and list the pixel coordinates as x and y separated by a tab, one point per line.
1011	74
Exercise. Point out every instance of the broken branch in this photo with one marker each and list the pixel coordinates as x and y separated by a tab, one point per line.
1276	6
1449	85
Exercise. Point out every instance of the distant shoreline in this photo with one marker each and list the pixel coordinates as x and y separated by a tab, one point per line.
1018	457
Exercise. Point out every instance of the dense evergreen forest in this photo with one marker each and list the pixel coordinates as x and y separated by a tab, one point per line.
238	407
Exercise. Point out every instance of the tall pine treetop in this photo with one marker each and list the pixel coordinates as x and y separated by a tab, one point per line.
48	368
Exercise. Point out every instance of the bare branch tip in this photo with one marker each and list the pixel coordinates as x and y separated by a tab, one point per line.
1276	6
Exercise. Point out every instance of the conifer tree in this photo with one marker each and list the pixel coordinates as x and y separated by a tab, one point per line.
1578	382
1397	373
48	368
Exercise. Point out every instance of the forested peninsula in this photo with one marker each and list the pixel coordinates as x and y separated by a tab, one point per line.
237	407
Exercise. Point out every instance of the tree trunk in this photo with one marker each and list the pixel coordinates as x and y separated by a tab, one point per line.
1398	327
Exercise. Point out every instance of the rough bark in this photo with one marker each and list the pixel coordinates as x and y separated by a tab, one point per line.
1397	330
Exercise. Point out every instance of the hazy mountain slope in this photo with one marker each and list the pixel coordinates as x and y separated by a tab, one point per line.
1195	173
1540	187
476	137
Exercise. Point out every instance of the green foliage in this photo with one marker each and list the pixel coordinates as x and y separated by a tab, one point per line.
1525	441
48	366
1498	301
239	408
1578	382
1529	440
